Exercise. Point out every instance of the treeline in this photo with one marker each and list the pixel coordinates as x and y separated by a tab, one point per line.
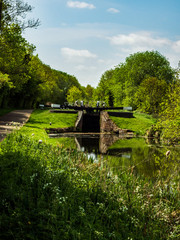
146	82
140	82
25	80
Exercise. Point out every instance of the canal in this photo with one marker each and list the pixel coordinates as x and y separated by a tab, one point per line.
139	155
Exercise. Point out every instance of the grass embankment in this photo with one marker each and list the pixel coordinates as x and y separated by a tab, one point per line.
139	124
50	193
41	119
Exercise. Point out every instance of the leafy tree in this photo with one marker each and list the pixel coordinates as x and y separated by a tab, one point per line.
118	85
14	12
5	86
150	94
104	88
88	90
121	84
148	64
74	94
25	80
140	66
16	52
170	114
15	56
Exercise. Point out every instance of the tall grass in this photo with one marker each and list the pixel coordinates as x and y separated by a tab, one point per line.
51	193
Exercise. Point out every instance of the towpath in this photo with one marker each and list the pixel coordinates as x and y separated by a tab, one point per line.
13	120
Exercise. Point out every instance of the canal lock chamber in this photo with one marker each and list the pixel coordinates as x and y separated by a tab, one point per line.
91	122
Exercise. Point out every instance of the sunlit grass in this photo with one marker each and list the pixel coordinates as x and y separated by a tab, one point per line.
139	124
44	119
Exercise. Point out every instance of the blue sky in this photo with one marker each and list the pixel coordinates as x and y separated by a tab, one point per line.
86	38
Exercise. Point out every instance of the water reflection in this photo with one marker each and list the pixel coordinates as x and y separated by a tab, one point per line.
121	154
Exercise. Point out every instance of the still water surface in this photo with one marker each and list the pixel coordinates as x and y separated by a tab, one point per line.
121	154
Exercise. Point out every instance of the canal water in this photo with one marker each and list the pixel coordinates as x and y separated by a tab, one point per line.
145	157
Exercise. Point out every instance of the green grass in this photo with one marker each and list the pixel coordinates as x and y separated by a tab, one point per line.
129	143
50	193
139	124
41	119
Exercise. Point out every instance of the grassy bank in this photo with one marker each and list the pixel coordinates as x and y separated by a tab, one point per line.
139	124
42	119
51	193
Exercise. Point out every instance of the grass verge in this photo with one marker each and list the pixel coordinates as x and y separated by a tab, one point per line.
41	119
139	124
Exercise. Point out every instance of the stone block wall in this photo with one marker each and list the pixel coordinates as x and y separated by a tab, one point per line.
79	121
106	124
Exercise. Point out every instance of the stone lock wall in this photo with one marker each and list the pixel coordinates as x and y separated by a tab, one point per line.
79	121
106	124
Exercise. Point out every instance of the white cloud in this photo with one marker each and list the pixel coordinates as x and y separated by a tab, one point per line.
61	48
113	10
143	39
176	46
85	68
126	44
77	4
71	53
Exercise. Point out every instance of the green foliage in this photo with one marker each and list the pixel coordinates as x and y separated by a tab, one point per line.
169	122
5	86
150	94
142	65
30	82
120	86
103	91
15	56
4	111
14	12
74	94
88	92
49	193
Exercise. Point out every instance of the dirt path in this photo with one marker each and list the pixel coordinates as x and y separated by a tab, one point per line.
13	120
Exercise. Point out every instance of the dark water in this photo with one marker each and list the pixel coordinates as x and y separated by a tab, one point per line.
120	154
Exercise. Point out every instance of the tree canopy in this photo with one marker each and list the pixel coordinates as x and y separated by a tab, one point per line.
14	12
24	79
119	86
169	122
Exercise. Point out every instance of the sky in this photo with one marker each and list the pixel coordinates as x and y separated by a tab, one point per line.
86	38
